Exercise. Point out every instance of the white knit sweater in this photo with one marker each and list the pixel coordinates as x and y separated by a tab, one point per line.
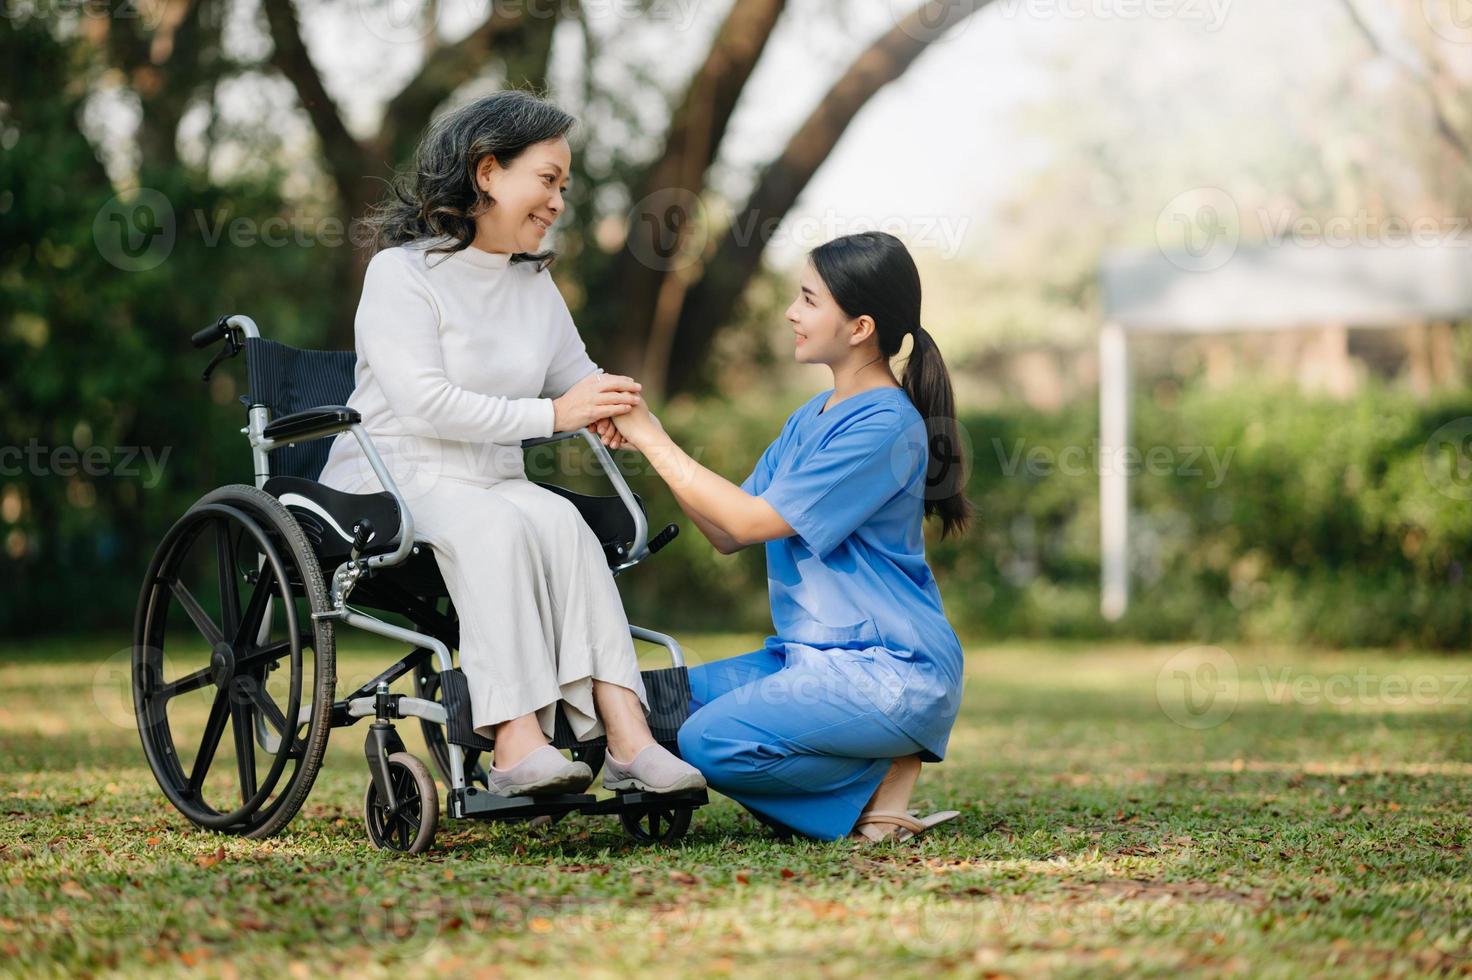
459	358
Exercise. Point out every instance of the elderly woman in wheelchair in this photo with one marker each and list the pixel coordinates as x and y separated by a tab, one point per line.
464	350
421	507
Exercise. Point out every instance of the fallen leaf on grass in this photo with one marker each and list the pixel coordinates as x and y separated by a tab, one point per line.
194	957
824	910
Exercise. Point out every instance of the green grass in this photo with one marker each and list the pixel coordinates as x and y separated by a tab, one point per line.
1305	833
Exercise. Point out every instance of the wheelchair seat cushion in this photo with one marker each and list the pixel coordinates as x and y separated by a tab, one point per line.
327	516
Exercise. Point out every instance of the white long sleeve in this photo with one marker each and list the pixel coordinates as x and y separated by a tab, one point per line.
398	335
459	358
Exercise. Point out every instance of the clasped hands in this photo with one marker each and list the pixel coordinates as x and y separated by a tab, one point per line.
610	404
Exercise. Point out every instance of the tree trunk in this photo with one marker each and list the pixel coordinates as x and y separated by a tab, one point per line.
711	302
649	274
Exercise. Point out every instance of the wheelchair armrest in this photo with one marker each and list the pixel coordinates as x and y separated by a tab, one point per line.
554	437
313	423
639	548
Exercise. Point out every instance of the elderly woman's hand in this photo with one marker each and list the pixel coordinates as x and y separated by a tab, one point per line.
592	399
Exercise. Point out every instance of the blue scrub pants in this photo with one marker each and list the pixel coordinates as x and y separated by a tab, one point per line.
801	745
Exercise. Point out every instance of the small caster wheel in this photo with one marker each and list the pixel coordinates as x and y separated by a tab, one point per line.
664	825
411	829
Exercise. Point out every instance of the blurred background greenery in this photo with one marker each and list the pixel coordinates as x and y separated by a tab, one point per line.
1014	149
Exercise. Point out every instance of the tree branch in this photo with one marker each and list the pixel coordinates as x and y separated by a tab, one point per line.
344	155
445	69
1444	127
710	303
653	295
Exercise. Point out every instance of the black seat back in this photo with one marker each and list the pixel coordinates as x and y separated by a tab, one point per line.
287	380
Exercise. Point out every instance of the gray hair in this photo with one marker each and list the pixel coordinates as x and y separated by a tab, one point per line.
439	197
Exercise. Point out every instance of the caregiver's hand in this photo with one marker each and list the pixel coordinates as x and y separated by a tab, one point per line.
598	396
638	426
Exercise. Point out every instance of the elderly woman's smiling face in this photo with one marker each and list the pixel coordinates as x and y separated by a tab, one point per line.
526	196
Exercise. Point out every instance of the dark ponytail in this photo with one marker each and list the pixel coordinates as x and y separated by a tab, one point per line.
872	272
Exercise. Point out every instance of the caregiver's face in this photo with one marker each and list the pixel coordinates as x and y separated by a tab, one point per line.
823	332
527	194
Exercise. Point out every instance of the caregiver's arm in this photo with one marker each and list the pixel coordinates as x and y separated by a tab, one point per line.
730	517
722	541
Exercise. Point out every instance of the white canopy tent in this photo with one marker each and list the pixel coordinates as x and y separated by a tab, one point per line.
1284	287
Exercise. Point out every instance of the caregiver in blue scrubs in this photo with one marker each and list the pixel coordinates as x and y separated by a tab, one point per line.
823	730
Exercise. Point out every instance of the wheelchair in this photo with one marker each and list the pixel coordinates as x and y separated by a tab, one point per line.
239	610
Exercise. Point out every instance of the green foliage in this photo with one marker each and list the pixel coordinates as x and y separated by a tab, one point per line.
1266	515
96	358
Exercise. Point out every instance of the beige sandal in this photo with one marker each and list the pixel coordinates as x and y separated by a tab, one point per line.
902	826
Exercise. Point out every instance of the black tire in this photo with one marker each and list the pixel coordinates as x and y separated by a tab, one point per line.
411	830
659	825
257	547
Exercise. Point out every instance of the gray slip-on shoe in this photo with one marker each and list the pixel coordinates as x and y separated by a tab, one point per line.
654	770
544	772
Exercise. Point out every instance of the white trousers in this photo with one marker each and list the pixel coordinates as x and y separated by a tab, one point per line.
540	615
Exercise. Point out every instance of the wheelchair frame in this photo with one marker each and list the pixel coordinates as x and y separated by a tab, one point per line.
384	750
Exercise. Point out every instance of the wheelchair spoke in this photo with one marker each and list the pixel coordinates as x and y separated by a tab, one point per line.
269	709
229	579
184	685
197	615
406	793
245	748
213	729
255	610
259	657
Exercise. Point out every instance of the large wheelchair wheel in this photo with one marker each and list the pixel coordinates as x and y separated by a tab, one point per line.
225	639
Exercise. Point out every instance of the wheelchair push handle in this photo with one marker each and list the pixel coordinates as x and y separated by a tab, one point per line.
211	334
227	328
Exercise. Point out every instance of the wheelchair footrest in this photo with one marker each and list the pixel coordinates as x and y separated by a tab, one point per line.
480	803
690	799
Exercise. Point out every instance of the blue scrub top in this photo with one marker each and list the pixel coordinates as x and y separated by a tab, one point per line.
852	586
